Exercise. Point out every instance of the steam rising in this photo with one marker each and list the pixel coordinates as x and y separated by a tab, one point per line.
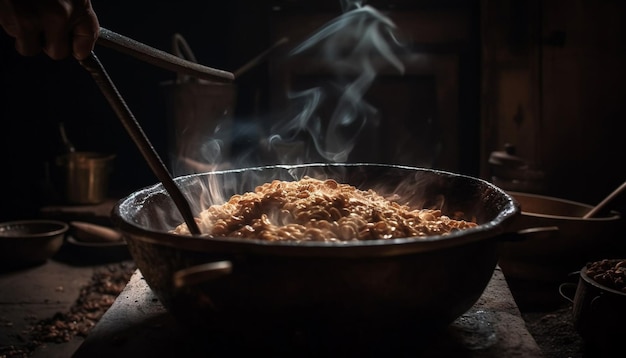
321	123
354	47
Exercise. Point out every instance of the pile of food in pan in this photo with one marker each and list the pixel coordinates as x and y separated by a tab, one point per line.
320	210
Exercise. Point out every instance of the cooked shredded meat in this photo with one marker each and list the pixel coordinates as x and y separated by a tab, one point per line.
319	210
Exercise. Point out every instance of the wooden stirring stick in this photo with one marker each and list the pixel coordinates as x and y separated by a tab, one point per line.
99	74
606	200
160	58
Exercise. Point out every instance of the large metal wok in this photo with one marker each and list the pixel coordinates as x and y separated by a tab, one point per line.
261	287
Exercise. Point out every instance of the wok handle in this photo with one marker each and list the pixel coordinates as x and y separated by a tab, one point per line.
540	232
567	290
202	273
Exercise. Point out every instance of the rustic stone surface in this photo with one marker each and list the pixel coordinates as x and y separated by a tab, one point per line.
137	324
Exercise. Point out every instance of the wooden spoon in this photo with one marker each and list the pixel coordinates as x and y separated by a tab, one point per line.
606	200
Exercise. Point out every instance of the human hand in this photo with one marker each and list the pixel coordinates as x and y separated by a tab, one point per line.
58	27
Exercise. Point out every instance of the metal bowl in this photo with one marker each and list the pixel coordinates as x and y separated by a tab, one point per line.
332	289
30	242
598	311
555	241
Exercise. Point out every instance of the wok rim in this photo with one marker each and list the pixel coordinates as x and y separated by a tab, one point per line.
383	247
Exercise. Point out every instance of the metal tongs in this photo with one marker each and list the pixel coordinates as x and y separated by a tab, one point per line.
164	60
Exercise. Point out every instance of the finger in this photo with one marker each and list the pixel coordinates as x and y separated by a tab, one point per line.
57	42
20	22
28	43
56	30
84	35
28	38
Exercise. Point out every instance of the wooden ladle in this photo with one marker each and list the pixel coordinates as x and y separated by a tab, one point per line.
596	209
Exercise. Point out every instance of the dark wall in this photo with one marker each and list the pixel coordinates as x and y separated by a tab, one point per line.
36	93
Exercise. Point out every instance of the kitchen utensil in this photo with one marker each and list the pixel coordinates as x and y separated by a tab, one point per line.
160	58
598	312
180	48
84	176
555	241
511	172
106	85
260	57
69	147
198	112
30	242
337	289
596	209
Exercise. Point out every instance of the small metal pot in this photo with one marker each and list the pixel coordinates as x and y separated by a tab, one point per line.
555	239
340	289
598	313
84	176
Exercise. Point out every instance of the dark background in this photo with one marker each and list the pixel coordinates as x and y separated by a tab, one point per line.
545	76
36	93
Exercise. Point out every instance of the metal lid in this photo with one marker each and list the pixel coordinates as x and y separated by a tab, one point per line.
506	158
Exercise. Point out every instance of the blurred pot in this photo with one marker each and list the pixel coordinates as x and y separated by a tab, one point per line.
598	312
30	242
199	117
510	172
555	241
84	176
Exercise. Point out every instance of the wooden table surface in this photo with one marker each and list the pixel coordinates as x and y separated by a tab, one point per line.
29	295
